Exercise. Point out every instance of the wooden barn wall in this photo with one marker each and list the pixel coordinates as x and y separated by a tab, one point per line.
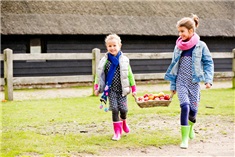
85	44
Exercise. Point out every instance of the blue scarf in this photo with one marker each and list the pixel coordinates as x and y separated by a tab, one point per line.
114	64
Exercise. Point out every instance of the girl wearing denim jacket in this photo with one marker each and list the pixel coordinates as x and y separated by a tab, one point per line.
191	63
115	80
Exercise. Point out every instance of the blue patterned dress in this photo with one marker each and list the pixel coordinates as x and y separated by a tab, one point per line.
116	100
188	92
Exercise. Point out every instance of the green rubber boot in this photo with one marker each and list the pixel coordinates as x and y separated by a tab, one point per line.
191	132
185	136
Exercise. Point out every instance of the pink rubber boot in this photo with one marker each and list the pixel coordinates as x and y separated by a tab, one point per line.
126	128
117	126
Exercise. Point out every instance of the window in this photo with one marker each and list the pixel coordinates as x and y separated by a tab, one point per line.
35	47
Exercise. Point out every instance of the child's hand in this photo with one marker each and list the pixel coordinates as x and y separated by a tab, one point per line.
173	91
96	92
208	85
134	94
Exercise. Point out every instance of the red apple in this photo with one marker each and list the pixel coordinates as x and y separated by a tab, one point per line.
146	95
167	97
157	98
146	99
140	98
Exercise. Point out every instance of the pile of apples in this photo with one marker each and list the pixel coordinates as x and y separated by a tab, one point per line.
149	97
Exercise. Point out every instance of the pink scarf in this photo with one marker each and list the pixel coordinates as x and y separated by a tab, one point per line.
186	45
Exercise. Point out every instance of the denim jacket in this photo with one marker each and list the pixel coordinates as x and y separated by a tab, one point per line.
202	65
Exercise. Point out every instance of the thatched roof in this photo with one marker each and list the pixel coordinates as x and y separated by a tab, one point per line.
127	17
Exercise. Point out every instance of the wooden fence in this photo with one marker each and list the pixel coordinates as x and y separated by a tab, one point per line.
9	81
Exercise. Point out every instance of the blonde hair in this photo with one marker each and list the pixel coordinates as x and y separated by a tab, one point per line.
113	36
189	22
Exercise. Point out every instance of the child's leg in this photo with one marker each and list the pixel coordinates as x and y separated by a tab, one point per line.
115	115
183	97
184	115
192	116
125	126
184	124
113	106
194	98
117	124
122	104
192	121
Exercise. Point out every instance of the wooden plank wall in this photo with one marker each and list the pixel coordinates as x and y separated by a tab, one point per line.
9	58
85	44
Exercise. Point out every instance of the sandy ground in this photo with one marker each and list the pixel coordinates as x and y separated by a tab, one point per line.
217	140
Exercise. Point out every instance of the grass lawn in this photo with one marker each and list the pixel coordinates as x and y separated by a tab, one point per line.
68	126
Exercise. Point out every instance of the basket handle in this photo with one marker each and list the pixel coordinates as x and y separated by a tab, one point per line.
135	97
171	96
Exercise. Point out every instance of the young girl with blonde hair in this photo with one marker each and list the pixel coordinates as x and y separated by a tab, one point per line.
115	80
191	64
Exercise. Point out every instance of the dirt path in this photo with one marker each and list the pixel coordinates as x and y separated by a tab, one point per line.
214	137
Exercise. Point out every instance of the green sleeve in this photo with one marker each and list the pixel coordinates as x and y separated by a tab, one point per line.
96	79
131	76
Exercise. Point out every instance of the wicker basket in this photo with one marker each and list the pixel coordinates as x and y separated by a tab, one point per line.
153	103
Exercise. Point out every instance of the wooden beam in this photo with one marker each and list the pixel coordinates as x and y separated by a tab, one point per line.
95	62
8	74
1	57
223	74
89	78
222	55
168	55
148	76
53	56
233	68
89	56
149	55
52	79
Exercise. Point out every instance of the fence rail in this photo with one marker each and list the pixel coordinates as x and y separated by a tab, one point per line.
9	81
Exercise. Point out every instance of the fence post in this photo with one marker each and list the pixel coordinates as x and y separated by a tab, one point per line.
233	68
95	62
8	74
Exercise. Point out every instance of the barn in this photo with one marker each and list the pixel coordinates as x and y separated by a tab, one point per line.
41	27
